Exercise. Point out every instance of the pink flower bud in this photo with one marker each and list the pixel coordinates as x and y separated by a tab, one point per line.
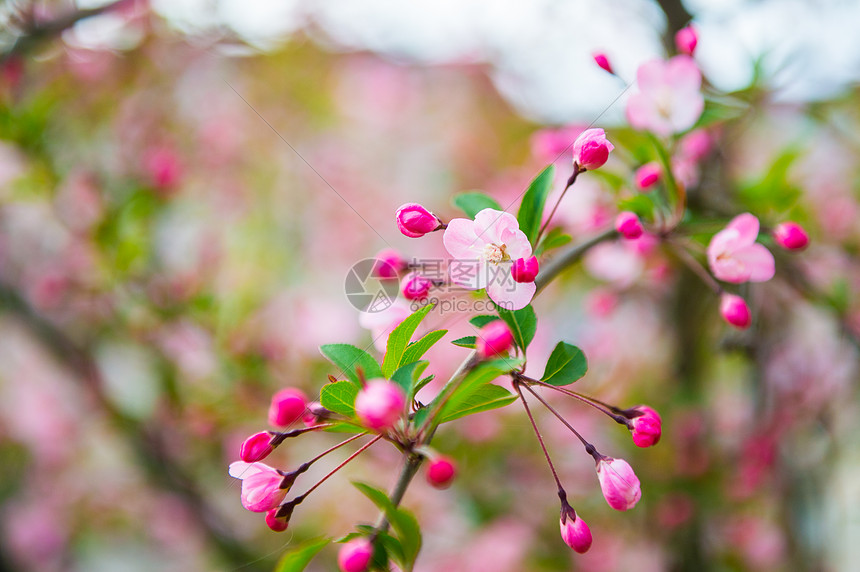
525	269
388	264
619	483
163	168
574	531
287	406
647	175
646	426
686	40
601	60
379	405
591	149
314	414
735	311
415	221
261	485
441	472
696	144
494	339
275	523
416	287
256	447
355	555
628	225
790	236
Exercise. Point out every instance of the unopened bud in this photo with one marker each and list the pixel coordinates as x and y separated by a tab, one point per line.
628	225
355	555
591	149
441	472
601	60
416	287
735	311
790	236
619	483
686	40
287	406
494	339
256	447
388	264
379	405
647	175
574	531
415	221
278	524
646	426
525	269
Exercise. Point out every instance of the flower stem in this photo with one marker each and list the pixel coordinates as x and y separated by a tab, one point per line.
570	183
517	385
359	451
589	448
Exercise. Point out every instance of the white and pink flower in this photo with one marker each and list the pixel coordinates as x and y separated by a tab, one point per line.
734	256
485	250
261	485
669	99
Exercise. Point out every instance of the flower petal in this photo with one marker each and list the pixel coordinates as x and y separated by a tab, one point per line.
461	240
490	224
758	261
747	227
510	294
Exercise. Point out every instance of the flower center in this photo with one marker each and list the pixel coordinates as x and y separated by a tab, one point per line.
495	253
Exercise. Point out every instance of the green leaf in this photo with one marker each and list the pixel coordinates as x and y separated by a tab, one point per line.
530	214
484	398
552	239
482	375
483	320
523	324
420	385
415	350
565	365
339	397
298	559
473	202
402	521
349	359
399	339
406	376
720	111
640	204
465	342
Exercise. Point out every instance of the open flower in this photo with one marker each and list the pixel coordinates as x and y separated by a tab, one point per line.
261	485
485	249
734	256
669	98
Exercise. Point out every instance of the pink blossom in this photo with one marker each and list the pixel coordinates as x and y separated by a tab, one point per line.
274	522
734	256
574	530
388	264
355	555
601	60
695	145
669	99
163	167
646	426
686	40
525	269
440	472
494	339
287	406
591	149
647	175
261	489
619	483
256	447
415	286
379	405
628	225
415	221
790	236
547	145
484	250
735	311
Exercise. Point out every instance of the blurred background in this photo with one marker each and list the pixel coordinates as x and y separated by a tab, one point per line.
184	185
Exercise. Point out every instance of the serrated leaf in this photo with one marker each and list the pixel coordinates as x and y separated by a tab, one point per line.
349	358
339	397
416	349
406	376
480	376
482	320
298	559
402	521
523	324
465	342
530	214
484	398
399	339
565	365
473	202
